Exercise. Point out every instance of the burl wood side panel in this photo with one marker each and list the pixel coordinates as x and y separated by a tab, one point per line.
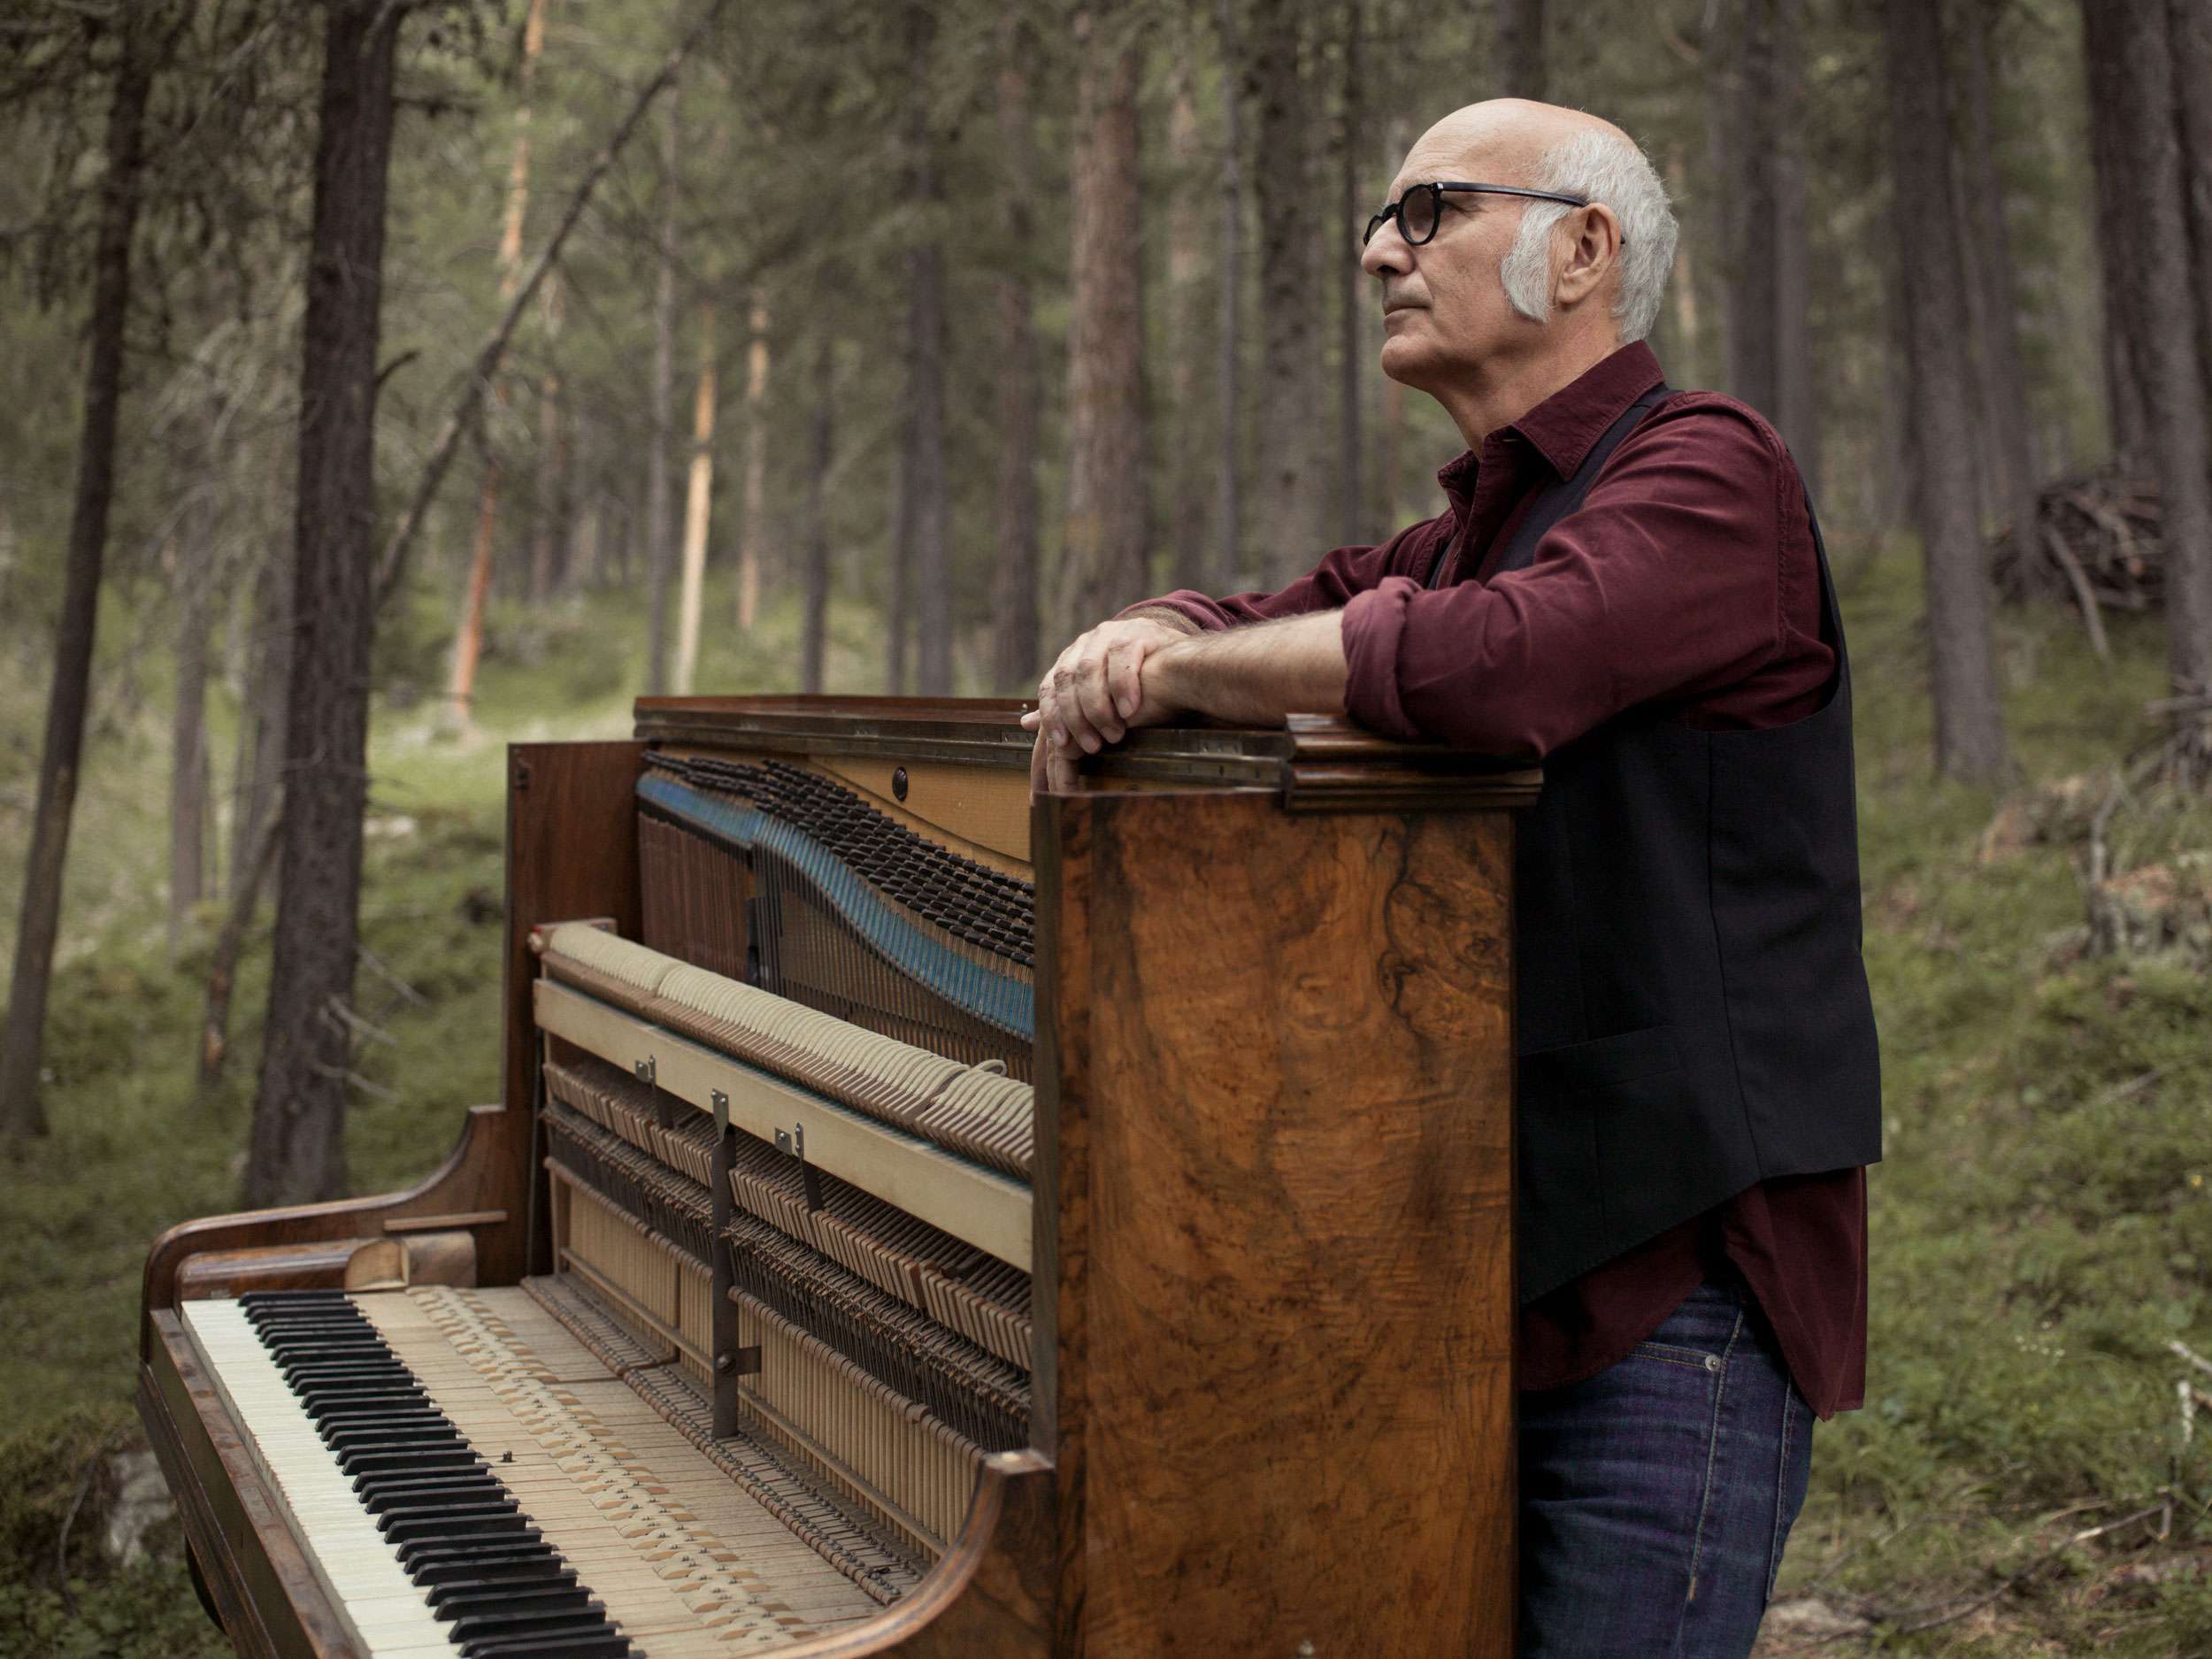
1296	1421
572	852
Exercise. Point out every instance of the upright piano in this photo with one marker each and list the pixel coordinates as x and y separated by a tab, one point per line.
917	1221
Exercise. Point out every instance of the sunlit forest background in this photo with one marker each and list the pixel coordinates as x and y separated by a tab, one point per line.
384	382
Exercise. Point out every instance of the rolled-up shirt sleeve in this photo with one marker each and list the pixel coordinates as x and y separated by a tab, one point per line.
1667	582
1342	575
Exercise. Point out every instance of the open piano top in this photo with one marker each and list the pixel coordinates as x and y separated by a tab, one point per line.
917	1221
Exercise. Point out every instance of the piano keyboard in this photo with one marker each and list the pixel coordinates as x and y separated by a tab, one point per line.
423	1548
534	1472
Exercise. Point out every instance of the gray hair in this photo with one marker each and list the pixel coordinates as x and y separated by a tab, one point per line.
1608	168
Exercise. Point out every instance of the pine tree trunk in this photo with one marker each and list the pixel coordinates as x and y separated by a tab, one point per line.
297	1152
188	724
2189	25
814	626
1520	45
548	507
2150	183
1796	404
269	680
2004	379
753	514
1968	717
1193	201
1105	538
1227	565
468	634
1292	509
1017	519
659	550
39	922
1746	107
698	507
2126	357
1351	475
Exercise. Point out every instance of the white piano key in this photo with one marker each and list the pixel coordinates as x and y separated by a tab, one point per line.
371	1592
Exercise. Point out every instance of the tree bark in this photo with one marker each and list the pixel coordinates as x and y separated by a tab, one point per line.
1968	717
2004	378
1017	520
1291	513
1193	200
659	551
298	1147
1796	403
698	507
195	577
921	592
1520	42
39	924
468	634
1351	472
752	529
1104	542
814	627
269	680
1228	561
1745	105
2190	34
548	507
251	864
2125	356
2150	184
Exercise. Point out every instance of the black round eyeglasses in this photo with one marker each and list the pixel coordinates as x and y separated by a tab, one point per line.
1422	205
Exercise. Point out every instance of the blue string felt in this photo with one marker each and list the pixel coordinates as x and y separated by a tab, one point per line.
994	998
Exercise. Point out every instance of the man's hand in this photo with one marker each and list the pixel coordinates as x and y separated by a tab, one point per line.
1094	694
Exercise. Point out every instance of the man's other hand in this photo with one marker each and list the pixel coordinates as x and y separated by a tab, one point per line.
1094	694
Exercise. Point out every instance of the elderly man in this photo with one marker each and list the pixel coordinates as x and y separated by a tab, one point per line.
1629	585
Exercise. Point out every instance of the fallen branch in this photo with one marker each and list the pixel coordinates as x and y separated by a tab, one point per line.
376	964
462	416
2084	597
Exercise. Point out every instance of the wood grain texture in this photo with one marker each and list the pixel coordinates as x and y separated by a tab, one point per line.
466	1186
572	850
991	1596
1296	1309
272	1605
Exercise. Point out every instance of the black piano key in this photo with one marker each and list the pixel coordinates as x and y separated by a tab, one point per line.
543	1576
549	1597
462	1521
365	1465
381	1488
589	1620
420	1497
357	1430
392	1522
411	1549
431	1552
528	1566
614	1645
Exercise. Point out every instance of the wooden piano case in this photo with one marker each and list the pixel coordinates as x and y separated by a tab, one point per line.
1273	1403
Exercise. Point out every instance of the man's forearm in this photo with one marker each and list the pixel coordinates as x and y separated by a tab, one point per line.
1254	675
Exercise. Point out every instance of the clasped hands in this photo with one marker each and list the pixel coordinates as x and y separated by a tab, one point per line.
1095	694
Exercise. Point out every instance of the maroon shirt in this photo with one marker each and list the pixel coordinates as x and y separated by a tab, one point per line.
1687	577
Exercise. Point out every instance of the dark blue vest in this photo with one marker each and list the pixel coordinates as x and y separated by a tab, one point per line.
1692	1008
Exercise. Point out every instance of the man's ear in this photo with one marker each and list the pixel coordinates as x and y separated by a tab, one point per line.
1593	242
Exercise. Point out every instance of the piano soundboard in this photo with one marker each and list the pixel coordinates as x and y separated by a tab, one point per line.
475	1480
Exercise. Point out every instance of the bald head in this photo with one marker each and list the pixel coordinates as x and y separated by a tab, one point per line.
1502	141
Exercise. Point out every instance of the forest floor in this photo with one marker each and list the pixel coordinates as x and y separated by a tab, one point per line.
2042	1230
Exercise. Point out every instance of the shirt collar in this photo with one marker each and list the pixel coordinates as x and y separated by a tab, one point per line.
1562	427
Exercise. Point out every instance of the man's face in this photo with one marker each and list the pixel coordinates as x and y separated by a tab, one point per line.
1445	312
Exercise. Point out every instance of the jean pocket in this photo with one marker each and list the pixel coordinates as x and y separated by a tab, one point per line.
1692	1358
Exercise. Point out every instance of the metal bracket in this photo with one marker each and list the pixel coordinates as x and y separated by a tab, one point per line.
739	1361
648	1070
793	1141
721	1103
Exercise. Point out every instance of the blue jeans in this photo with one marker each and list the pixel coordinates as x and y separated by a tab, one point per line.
1656	1496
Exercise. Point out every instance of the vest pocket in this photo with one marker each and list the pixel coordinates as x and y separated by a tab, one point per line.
1614	1062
